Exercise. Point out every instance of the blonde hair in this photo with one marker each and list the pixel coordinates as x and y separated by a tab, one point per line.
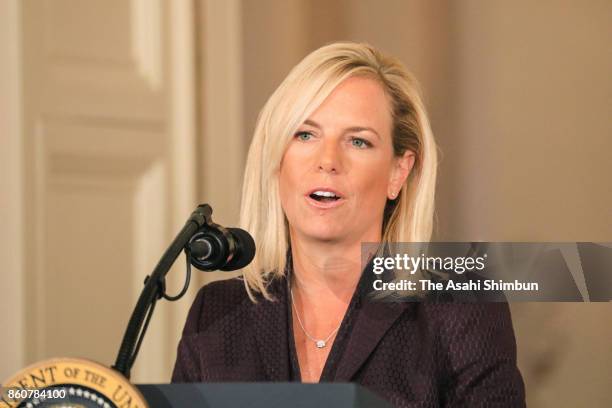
408	218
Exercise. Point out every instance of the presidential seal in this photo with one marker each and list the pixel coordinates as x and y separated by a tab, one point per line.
68	383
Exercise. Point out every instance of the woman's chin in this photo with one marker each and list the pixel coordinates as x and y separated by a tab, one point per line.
323	233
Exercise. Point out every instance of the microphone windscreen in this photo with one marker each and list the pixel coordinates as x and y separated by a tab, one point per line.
245	251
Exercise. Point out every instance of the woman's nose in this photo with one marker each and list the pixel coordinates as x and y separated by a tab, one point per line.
330	160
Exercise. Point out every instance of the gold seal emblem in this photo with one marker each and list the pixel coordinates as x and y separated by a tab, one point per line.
67	383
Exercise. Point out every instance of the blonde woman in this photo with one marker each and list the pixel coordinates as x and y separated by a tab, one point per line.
343	154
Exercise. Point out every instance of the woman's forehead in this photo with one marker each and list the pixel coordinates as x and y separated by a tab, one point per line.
357	102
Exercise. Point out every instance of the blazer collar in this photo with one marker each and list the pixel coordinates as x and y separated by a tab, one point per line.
372	322
271	325
373	319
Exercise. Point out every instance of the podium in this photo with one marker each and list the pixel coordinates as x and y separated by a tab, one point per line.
260	395
71	382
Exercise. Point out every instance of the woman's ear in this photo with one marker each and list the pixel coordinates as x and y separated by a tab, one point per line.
402	167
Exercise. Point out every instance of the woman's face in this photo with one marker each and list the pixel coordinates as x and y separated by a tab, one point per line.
339	168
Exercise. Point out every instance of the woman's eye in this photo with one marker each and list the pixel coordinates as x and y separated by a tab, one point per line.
360	143
303	136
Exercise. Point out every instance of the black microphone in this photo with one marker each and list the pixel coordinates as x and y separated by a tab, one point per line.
214	247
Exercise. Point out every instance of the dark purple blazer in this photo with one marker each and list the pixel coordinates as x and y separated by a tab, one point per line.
411	354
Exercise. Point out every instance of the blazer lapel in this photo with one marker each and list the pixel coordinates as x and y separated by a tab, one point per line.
270	320
372	322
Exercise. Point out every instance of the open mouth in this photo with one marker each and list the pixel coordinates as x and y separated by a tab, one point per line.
324	196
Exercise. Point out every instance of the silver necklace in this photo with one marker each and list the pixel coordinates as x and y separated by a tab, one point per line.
320	343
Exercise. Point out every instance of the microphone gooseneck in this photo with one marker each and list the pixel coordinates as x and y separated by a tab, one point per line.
208	246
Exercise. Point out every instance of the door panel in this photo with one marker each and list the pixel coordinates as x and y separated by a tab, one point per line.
101	87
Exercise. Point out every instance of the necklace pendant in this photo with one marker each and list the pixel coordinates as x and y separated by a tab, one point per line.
321	343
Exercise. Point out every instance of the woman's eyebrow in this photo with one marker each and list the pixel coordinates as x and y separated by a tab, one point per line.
363	129
312	123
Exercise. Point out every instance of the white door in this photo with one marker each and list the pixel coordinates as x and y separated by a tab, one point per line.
108	129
